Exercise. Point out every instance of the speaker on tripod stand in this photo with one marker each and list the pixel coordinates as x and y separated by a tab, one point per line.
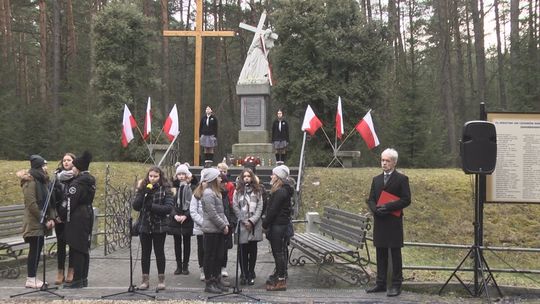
478	150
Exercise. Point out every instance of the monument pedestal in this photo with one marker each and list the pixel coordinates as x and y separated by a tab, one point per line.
253	136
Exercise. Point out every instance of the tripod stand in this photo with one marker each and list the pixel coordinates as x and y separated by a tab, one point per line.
236	289
131	289
481	268
45	287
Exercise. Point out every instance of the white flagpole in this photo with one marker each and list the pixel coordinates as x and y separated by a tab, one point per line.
147	146
301	162
168	149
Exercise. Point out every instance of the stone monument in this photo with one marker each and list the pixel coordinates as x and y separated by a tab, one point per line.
253	87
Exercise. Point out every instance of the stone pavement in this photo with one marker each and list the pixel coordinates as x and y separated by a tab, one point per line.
110	274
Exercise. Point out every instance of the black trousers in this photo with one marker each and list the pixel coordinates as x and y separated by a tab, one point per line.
61	246
248	258
158	240
200	250
214	247
278	243
182	256
81	263
34	254
382	266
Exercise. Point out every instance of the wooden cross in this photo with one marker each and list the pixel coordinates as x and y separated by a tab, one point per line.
198	33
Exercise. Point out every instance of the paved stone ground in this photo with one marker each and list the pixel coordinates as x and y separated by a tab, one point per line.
110	274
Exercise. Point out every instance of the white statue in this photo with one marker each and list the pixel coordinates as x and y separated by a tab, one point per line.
256	69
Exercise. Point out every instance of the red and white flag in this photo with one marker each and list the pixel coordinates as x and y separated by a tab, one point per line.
128	123
367	131
171	124
311	123
339	120
147	121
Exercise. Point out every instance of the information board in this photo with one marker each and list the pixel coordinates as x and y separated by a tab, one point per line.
516	178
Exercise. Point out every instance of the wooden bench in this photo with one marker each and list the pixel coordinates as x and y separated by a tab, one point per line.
336	248
12	243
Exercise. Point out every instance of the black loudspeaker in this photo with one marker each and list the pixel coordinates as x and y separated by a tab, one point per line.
478	147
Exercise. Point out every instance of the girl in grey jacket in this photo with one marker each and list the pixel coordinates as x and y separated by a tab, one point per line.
248	207
215	227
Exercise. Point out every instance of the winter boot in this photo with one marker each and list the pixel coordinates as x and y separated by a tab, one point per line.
223	286
185	269
161	284
178	268
33	282
70	273
278	285
145	282
211	286
59	277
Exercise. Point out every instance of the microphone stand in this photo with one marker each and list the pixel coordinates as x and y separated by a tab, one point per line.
45	287
236	289
131	289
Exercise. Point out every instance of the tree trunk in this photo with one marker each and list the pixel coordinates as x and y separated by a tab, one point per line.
460	64
43	51
514	34
71	35
441	11
500	59
56	28
165	79
412	31
470	67
369	13
478	23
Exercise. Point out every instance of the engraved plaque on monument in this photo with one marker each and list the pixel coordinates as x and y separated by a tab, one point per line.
252	112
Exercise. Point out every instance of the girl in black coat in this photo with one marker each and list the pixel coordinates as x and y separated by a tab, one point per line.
80	219
280	136
208	129
276	224
154	201
180	222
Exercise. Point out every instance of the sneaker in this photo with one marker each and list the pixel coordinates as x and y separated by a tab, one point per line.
224	272
34	283
202	278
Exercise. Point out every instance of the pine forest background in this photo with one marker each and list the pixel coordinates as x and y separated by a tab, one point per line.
68	66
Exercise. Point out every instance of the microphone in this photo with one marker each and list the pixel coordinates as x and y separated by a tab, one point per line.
148	187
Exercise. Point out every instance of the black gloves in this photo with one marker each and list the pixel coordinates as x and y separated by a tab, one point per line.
382	211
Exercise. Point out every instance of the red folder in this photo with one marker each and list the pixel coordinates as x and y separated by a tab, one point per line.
386	198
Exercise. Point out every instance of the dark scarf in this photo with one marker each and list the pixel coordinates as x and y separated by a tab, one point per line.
42	181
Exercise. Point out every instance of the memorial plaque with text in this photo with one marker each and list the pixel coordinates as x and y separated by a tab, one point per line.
252	112
517	174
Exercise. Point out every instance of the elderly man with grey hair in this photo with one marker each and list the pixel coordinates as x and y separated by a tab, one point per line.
390	194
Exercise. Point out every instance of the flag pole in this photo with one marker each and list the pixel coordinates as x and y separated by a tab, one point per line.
328	138
168	149
148	147
347	137
300	166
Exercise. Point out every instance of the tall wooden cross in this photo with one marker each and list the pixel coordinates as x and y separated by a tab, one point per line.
198	33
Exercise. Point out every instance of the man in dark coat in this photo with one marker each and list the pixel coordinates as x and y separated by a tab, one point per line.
80	219
388	221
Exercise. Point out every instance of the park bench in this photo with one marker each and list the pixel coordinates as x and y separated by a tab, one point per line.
12	243
336	248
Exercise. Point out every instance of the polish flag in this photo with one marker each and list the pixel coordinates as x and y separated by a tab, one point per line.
128	124
311	123
339	120
147	121
367	131
171	124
